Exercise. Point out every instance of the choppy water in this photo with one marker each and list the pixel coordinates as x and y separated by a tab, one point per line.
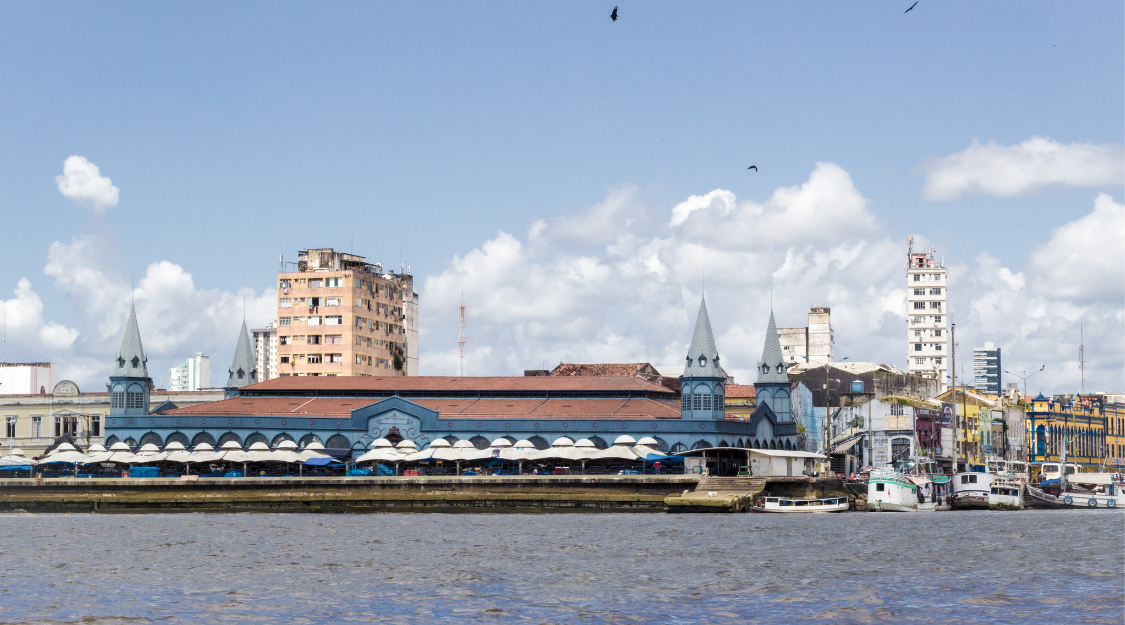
975	567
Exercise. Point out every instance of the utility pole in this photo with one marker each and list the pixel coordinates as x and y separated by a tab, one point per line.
953	379
1082	352
461	340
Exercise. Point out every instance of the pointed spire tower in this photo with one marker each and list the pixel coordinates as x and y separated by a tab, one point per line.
703	384
772	387
244	369
130	385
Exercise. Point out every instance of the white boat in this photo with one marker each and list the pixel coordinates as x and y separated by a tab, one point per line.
787	505
891	491
971	490
1005	495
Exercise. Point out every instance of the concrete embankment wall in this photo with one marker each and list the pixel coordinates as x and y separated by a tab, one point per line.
346	494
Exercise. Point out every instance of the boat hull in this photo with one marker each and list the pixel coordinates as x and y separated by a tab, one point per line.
970	502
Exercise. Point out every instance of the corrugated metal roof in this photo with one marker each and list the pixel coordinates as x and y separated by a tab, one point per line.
467	384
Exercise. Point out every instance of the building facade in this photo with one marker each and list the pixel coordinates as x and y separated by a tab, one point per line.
347	413
339	315
26	378
265	351
926	315
191	375
33	422
1088	430
814	343
987	369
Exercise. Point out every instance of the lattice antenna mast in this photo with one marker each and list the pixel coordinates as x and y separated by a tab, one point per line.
461	338
1082	352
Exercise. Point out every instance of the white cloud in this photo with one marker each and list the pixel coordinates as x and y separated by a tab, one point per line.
25	328
537	304
552	299
81	180
1017	169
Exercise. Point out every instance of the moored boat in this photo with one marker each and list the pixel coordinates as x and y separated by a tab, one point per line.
971	490
788	505
1005	495
891	491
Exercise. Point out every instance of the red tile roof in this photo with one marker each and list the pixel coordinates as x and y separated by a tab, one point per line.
468	384
279	406
740	390
554	409
603	369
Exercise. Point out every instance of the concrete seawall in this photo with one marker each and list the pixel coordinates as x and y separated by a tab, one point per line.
346	494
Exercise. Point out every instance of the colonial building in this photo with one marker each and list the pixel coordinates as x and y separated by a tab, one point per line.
1089	430
347	413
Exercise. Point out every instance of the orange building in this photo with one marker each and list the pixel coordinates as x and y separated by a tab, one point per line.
340	315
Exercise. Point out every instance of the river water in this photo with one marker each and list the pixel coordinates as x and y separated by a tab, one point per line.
955	567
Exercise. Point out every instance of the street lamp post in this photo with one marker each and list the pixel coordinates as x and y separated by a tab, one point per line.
827	401
1030	439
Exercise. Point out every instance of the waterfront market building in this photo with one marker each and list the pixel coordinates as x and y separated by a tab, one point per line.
346	414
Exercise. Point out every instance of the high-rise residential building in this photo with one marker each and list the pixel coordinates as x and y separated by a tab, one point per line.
265	351
815	341
340	315
191	375
26	378
926	314
987	368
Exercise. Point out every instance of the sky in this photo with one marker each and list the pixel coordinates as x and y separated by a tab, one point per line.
578	180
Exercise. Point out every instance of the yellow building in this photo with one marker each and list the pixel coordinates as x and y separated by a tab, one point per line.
33	422
1084	427
740	400
1115	434
974	411
340	315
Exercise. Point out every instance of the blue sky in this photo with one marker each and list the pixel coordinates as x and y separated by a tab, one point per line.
237	133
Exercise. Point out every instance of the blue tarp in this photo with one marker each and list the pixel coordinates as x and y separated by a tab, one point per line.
318	462
359	472
383	470
1049	482
144	471
16	467
663	459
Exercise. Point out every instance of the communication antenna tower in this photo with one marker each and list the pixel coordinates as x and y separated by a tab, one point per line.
1082	352
461	339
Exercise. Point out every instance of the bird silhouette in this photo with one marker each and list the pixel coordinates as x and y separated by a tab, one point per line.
754	167
613	16
911	7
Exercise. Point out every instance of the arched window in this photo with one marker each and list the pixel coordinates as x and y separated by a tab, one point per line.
338	441
773	445
177	437
739	443
111	440
780	368
202	437
702	360
309	439
152	438
539	442
765	368
228	437
723	444
480	442
279	439
677	448
661	445
256	437
599	442
452	439
701	445
132	442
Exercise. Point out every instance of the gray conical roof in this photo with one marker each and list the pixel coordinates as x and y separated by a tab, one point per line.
131	361
703	344
772	358
244	361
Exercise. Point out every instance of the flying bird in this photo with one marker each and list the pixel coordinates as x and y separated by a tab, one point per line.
754	167
613	16
911	7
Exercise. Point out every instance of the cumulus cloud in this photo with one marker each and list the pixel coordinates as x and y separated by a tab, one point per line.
1018	169
82	181
538	303
537	300
25	327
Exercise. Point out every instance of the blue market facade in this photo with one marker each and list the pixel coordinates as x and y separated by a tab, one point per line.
347	414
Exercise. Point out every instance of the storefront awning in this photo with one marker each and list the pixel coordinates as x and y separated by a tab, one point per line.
847	445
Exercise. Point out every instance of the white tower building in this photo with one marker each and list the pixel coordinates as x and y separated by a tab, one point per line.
926	314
